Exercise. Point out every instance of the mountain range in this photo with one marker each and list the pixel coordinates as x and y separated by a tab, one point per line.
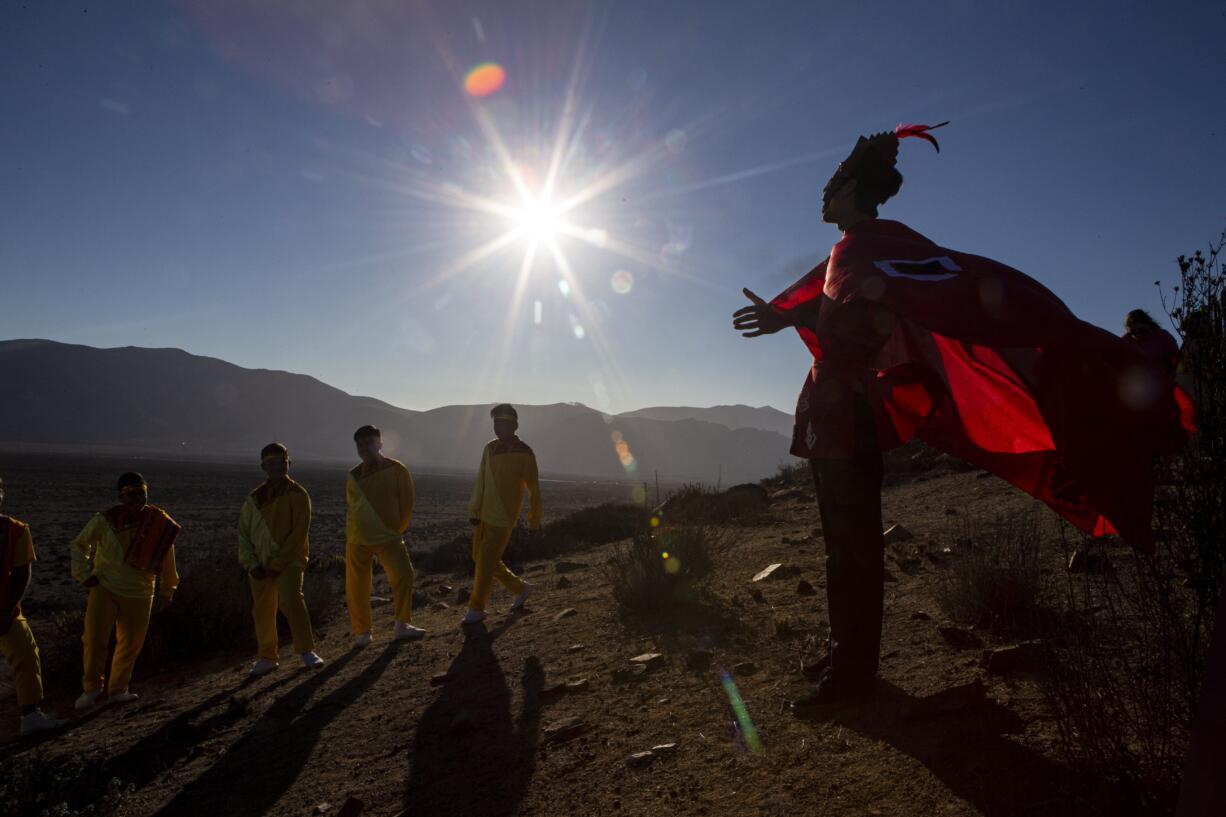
61	396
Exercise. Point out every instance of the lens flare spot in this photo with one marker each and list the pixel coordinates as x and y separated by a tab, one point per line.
655	521
577	328
675	141
485	79
537	312
672	566
744	725
638	495
664	555
622	282
564	288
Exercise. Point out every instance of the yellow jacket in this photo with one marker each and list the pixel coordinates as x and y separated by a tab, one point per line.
506	469
16	550
380	503
274	527
99	550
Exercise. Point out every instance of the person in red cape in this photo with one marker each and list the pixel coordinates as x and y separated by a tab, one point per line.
910	339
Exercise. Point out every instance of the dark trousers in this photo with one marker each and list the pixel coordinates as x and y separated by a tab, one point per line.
849	498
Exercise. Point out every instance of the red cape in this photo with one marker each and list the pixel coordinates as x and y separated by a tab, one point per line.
987	364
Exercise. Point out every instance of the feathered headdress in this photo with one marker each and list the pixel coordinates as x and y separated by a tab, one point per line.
875	156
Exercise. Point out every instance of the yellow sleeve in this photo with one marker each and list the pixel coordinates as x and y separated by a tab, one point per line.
295	544
535	509
404	486
169	579
478	497
352	494
246	548
83	548
25	548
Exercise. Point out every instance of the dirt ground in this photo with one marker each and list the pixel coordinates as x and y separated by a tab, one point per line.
485	724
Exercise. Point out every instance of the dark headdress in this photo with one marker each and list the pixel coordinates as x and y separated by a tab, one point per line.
871	164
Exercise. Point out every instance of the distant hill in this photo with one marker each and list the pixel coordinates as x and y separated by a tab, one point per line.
167	401
766	418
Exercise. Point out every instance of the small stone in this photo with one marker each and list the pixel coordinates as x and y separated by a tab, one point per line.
745	668
446	588
564	730
699	659
805	589
378	601
567	613
896	533
553	691
639	760
960	638
577	685
567	567
650	660
562	583
576	648
323	808
440	605
439	678
766	572
920	615
664	749
625	675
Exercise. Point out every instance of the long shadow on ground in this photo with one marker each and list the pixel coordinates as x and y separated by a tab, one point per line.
257	770
965	746
469	757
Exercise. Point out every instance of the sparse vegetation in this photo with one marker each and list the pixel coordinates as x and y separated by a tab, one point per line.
33	787
698	504
661	569
994	576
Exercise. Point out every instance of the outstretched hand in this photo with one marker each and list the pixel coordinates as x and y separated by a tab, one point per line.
760	318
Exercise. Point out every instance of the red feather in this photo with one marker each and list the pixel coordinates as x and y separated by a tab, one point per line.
920	131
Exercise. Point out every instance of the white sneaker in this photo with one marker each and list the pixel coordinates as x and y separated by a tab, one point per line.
522	597
472	617
311	661
88	699
36	721
407	632
363	640
262	667
122	697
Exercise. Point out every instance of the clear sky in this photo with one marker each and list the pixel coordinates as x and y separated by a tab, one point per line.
310	186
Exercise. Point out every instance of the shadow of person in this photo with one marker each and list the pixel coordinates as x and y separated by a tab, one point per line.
252	775
962	739
469	757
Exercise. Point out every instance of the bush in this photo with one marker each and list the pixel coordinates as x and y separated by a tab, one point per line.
66	787
661	569
701	505
994	575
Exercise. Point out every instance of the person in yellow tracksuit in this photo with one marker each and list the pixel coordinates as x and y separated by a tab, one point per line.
273	541
508	466
379	496
123	556
16	641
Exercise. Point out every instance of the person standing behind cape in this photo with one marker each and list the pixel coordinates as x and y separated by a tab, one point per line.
273	547
508	466
379	497
911	339
122	556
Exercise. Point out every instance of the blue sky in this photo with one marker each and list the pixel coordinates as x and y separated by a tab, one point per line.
294	185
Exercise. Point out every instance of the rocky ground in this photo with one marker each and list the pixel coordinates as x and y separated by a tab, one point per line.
570	709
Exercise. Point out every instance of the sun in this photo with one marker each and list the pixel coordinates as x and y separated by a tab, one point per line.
538	220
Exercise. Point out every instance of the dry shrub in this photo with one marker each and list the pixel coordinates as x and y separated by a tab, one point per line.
33	786
661	569
698	504
994	576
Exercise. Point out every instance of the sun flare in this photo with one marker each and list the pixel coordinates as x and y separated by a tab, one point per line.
538	220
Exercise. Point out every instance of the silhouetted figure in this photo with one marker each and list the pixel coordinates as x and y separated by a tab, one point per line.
1155	343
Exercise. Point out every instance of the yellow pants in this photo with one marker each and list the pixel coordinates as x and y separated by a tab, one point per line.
20	649
394	557
489	542
129	618
282	593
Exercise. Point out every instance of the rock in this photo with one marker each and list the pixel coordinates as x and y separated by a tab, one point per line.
445	588
1027	655
767	572
626	675
462	595
664	749
649	660
960	639
920	615
897	533
639	760
576	648
439	678
323	808
577	685
379	601
756	595
567	567
745	668
352	807
955	700
440	605
553	691
805	589
564	730
567	613
699	659
1088	561
562	583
